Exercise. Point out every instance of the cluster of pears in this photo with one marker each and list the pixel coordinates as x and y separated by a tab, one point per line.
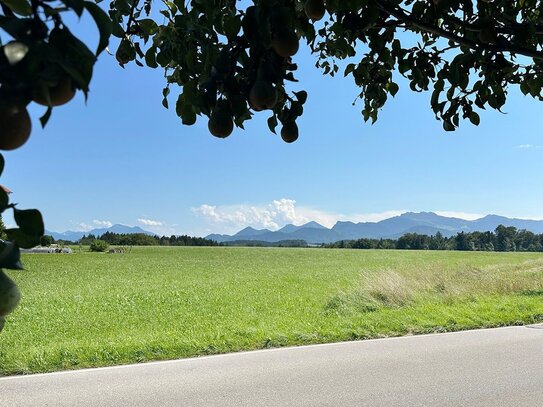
9	297
263	94
15	121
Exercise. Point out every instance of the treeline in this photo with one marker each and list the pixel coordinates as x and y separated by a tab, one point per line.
503	239
261	243
141	239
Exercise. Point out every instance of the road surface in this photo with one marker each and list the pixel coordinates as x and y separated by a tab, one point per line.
494	367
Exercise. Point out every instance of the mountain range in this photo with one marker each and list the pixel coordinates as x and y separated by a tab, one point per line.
73	236
427	223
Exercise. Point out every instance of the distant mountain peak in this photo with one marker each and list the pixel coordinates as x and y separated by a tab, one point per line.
314	225
421	215
394	227
290	228
492	216
249	231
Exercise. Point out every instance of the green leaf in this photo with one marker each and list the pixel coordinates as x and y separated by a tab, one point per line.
289	76
165	93
73	56
16	27
103	23
231	25
448	126
30	221
148	25
10	256
493	101
76	5
21	7
474	118
392	88
350	68
150	58
272	124
22	239
4	200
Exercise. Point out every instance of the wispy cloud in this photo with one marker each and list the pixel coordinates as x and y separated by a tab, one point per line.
83	227
155	226
96	223
461	215
528	146
150	222
102	223
159	227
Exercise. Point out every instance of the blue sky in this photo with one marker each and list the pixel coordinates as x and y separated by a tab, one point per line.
123	158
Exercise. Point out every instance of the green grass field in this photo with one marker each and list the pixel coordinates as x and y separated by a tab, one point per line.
90	309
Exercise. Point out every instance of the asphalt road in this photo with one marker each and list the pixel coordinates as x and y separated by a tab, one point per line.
495	367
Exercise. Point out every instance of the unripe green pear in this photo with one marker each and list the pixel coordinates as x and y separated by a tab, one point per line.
289	132
314	9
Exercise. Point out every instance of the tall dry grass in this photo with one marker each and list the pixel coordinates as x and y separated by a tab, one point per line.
407	285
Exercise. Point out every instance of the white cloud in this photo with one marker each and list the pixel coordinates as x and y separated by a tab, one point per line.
86	227
230	218
239	215
150	222
461	215
286	208
83	227
159	227
528	146
102	223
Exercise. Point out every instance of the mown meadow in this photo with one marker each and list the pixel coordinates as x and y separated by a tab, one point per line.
97	309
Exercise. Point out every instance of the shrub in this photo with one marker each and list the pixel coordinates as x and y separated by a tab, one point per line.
99	246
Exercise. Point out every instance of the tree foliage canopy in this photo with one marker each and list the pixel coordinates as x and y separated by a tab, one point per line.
467	53
228	60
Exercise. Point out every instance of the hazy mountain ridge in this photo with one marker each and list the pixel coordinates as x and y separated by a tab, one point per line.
428	223
117	228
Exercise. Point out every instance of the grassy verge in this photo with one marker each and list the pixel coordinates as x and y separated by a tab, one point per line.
91	309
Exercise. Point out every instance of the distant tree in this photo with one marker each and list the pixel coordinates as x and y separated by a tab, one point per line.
87	240
46	240
462	242
525	241
505	238
437	242
141	239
